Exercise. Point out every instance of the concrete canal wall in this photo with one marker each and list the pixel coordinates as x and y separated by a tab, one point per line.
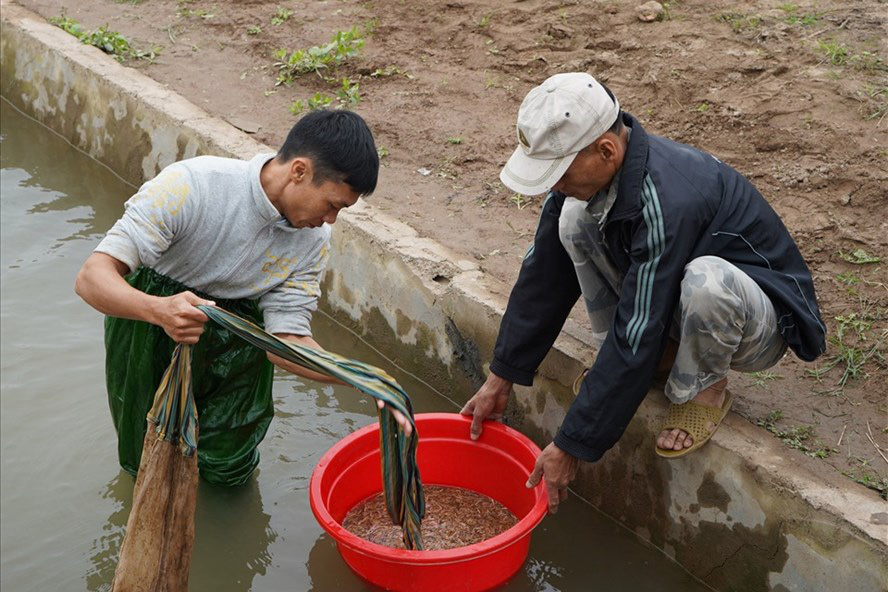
744	514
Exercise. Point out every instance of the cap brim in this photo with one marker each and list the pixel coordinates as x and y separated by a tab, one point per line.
532	176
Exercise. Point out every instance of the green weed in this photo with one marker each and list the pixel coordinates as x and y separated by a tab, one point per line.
111	42
836	53
254	30
390	71
740	23
762	377
853	349
795	437
703	107
858	257
318	101
383	152
370	26
454	140
349	93
343	46
484	22
853	322
183	11
853	358
868	61
869	479
519	200
876	99
347	96
794	18
666	15
281	16
769	420
848	278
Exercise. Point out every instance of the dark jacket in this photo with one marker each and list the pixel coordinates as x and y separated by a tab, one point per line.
674	204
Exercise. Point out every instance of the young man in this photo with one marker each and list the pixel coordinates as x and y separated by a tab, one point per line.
683	266
250	236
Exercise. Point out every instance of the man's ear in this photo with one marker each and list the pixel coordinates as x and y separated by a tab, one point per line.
300	169
607	147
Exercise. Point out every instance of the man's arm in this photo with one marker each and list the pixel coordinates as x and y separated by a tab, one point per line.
546	290
296	369
544	293
101	284
317	377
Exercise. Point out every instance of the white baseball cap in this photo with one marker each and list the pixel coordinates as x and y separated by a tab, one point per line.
556	120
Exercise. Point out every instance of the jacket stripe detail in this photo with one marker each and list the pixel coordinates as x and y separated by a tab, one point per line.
656	244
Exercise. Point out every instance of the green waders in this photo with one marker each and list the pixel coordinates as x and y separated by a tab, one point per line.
231	381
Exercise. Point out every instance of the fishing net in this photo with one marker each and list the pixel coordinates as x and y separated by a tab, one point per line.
156	551
401	483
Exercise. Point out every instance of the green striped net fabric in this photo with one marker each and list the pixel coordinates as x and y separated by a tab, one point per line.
400	476
173	411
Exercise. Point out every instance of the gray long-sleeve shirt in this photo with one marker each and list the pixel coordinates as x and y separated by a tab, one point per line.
207	223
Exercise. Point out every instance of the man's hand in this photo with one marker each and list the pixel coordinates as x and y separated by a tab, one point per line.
559	469
399	417
179	318
488	403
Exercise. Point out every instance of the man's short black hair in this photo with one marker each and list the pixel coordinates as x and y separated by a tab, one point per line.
340	146
618	124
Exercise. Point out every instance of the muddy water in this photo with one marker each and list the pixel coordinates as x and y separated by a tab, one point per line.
63	499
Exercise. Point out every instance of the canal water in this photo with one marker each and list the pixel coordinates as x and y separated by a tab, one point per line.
63	499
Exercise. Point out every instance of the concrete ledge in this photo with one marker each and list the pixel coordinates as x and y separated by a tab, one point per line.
743	514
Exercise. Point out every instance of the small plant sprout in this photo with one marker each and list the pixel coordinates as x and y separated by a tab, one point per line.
740	23
762	377
281	16
111	42
519	200
454	140
370	26
343	46
794	18
703	107
836	53
254	30
390	71
382	152
484	22
796	437
349	93
848	279
859	257
317	101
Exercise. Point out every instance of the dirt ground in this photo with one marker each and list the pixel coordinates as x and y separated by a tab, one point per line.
794	96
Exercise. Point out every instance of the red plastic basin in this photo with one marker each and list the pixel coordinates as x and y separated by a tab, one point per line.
496	465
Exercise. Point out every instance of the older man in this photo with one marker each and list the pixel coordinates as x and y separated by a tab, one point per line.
683	266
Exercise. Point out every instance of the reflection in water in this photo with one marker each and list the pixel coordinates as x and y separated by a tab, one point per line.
106	549
38	153
328	571
234	536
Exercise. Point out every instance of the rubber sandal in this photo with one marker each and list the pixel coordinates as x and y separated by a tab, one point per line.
692	418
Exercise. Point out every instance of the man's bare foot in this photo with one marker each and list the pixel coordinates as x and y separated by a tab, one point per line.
676	439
